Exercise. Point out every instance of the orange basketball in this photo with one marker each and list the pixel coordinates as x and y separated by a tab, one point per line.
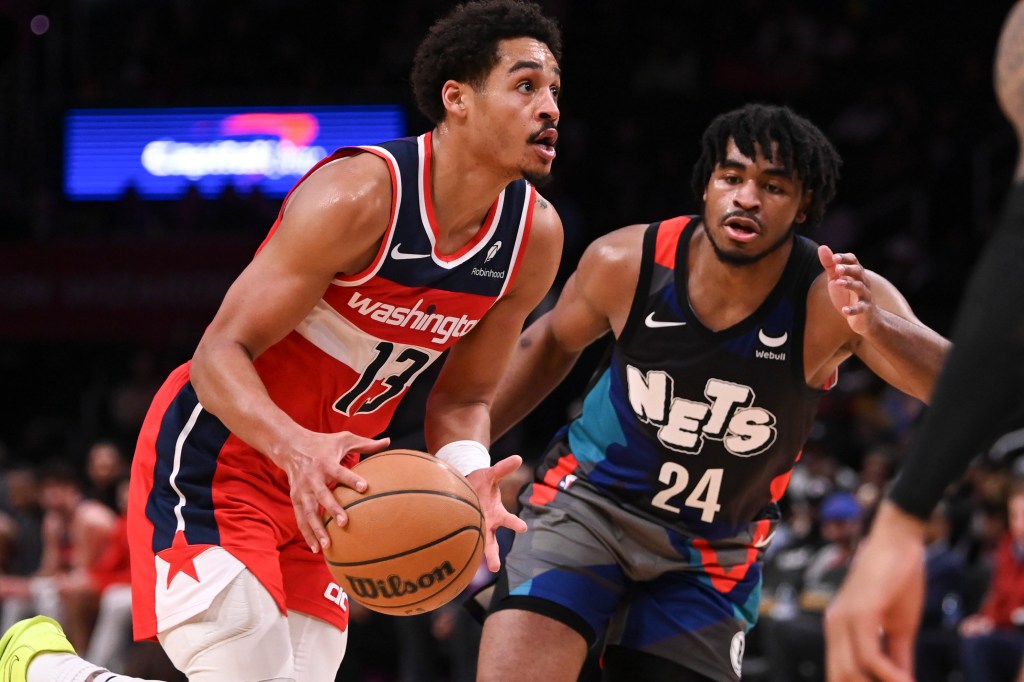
413	540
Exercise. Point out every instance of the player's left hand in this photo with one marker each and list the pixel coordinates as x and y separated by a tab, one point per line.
848	288
486	481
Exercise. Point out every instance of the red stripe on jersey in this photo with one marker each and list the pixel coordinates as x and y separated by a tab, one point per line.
431	318
832	380
668	240
531	201
781	482
383	248
428	207
542	494
554	480
723	579
762	531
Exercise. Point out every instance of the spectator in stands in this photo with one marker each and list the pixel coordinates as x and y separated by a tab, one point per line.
107	583
794	637
945	585
76	531
105	467
21	518
992	643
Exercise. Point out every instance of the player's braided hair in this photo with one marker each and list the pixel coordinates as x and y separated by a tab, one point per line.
802	148
463	46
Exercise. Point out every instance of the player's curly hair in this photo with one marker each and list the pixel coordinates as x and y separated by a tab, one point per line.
802	148
463	46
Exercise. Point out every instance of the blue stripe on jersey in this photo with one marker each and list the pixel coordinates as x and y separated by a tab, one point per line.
670	296
598	586
194	477
607	417
749	609
597	425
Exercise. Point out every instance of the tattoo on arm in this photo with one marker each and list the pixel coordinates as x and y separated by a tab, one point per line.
542	202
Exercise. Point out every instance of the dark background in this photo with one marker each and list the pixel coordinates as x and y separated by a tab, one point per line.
903	89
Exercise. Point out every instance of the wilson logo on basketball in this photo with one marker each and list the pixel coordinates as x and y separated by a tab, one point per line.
396	586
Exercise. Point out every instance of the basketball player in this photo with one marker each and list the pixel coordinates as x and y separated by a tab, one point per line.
382	258
977	400
649	514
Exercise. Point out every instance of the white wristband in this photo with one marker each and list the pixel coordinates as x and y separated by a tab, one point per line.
465	456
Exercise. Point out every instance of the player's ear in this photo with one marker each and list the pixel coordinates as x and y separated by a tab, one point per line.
805	204
454	94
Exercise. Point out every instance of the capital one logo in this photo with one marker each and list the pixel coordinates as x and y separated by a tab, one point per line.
337	595
727	414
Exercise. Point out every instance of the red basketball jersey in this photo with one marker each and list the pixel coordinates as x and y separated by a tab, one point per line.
197	487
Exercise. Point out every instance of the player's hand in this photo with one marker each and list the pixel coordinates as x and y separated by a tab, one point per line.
486	481
871	625
313	467
848	289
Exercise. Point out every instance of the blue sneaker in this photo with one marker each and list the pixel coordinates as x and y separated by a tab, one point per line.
24	641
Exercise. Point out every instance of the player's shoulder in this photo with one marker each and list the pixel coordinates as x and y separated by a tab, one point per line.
341	208
616	247
363	178
545	224
545	215
609	261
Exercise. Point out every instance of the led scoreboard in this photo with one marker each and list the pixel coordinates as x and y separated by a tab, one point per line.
161	153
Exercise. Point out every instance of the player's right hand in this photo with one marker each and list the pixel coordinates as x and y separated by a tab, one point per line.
313	468
486	483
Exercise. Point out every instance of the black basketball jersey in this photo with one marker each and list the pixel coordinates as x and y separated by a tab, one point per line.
696	427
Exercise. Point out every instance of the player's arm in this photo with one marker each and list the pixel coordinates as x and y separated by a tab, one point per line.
457	424
593	301
887	336
332	223
458	406
978	398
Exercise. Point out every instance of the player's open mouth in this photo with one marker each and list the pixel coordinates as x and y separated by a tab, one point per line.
742	229
544	142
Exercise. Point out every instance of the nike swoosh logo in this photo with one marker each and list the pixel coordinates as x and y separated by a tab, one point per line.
401	255
654	324
772	341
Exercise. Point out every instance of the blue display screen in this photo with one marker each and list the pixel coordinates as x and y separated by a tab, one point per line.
162	152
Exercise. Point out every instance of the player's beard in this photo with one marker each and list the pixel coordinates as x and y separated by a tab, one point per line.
538	179
743	259
541	178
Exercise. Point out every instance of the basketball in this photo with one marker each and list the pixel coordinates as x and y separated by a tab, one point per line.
413	540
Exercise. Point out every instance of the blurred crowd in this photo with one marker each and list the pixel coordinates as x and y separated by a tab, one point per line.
927	159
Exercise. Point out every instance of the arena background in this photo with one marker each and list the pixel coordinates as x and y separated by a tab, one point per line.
99	299
927	153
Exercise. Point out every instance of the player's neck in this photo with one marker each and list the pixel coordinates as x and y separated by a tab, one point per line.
463	189
723	294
